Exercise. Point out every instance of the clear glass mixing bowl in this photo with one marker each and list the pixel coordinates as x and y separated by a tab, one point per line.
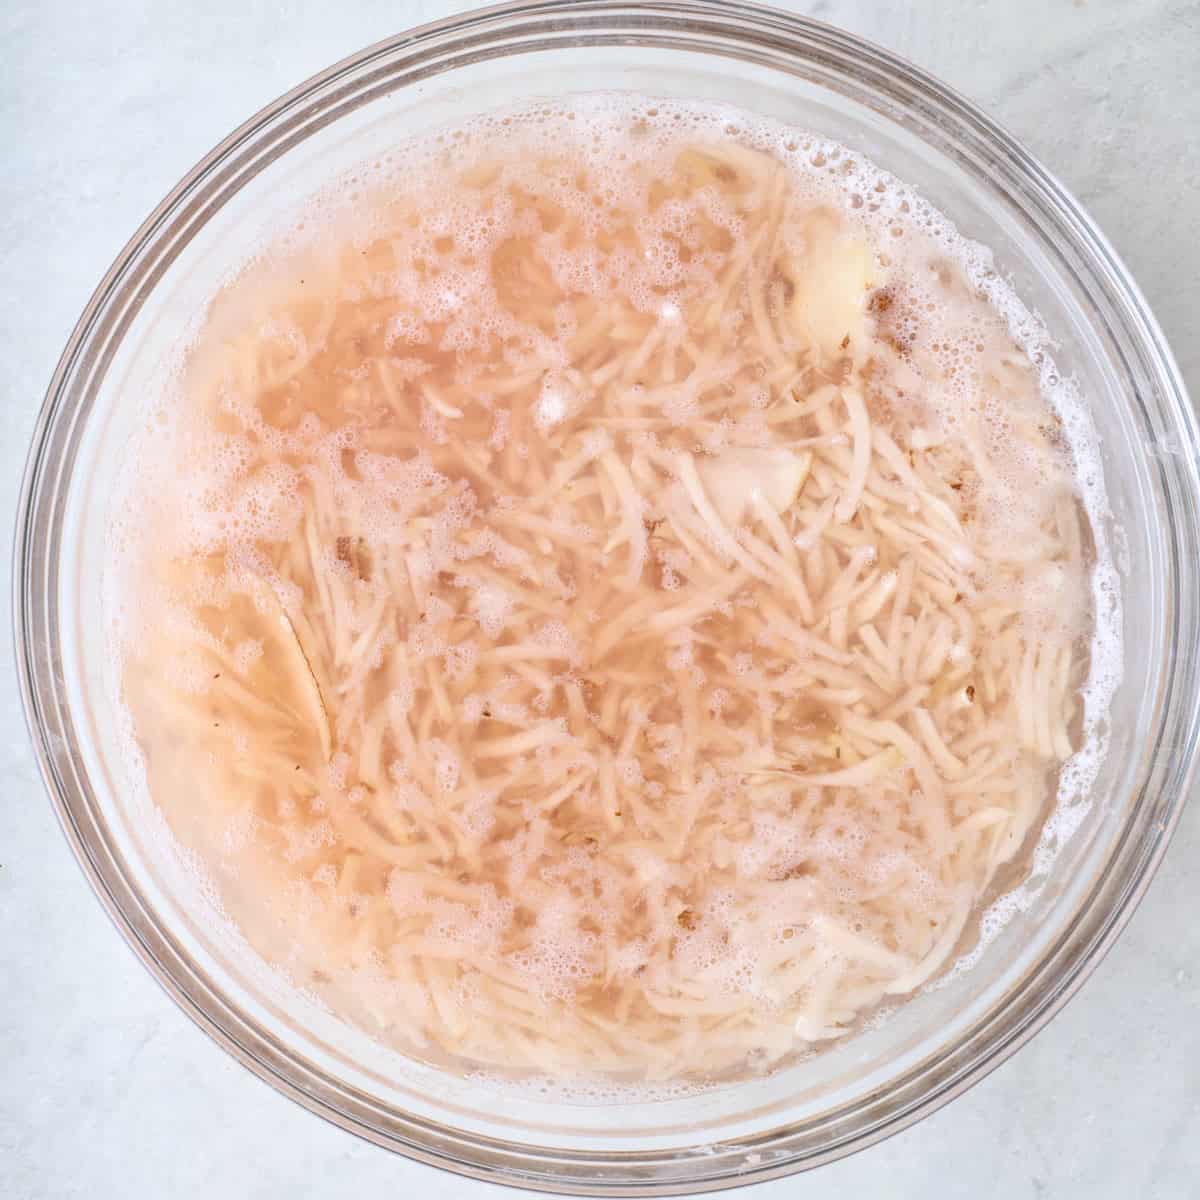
800	72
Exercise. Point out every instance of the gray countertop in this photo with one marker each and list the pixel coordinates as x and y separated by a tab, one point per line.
106	1089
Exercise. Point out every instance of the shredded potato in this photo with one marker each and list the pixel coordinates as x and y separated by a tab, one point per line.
595	622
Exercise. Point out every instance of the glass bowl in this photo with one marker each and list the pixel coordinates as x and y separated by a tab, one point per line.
812	76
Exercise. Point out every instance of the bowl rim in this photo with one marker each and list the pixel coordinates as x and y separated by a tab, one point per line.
195	994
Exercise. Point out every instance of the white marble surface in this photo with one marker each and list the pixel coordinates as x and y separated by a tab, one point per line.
106	1089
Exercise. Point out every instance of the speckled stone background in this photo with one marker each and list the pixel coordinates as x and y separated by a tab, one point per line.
106	1089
